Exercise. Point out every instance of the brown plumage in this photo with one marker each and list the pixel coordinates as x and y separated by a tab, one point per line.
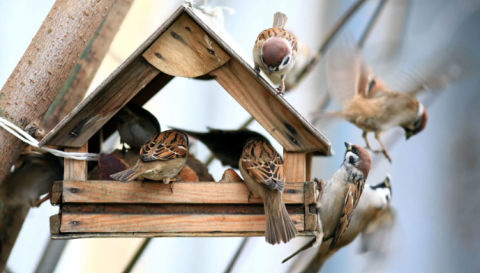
275	50
161	158
367	102
263	172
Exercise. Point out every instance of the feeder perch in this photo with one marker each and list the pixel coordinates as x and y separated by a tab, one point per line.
188	44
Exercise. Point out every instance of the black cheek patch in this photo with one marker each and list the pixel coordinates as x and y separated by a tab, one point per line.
351	160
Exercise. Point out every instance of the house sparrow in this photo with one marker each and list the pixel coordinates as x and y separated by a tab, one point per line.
340	196
367	102
275	50
263	172
225	145
31	180
369	218
136	125
161	158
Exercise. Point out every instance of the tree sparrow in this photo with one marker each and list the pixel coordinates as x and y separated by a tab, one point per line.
275	50
367	102
31	180
136	125
161	158
263	172
225	145
368	218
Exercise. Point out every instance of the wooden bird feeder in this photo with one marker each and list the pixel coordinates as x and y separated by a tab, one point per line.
186	45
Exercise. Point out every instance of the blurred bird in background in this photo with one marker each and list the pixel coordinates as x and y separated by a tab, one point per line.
373	218
31	180
225	145
263	172
161	158
275	50
136	125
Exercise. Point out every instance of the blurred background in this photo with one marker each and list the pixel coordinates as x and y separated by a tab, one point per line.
434	175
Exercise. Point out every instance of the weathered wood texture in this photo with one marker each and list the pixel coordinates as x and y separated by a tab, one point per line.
44	67
308	166
166	223
68	236
310	207
280	121
57	190
185	50
76	169
183	192
295	166
77	84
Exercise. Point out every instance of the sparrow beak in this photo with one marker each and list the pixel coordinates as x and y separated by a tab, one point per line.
348	146
387	180
270	70
408	135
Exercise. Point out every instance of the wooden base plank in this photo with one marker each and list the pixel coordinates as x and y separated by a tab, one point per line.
159	193
73	223
68	236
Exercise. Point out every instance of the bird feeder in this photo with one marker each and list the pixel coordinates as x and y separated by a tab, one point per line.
188	45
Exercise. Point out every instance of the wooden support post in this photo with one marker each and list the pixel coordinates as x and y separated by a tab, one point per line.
310	208
76	169
295	167
308	166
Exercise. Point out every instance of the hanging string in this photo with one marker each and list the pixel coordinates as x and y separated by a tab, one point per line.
25	137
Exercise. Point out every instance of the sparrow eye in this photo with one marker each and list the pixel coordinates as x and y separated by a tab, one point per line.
354	150
286	61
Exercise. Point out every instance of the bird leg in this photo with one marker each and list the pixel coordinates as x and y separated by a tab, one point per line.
37	203
281	89
384	149
364	135
257	69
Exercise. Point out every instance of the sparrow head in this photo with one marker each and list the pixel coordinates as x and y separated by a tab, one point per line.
276	53
418	124
358	158
384	188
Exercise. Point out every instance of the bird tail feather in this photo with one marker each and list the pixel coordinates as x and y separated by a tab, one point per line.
279	20
278	225
127	175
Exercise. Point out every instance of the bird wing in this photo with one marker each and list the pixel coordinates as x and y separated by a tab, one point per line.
277	32
351	201
164	146
267	168
377	235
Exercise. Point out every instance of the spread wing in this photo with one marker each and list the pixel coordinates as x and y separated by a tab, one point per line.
164	146
351	201
266	170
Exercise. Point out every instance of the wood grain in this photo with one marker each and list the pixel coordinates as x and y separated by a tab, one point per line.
183	192
295	166
185	50
76	169
57	190
166	223
55	222
308	166
68	236
310	208
282	123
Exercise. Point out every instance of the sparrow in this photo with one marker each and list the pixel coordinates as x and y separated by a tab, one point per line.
372	212
367	102
31	180
136	125
340	196
275	50
263	172
161	158
225	145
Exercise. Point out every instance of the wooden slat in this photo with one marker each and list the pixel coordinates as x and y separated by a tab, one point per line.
55	222
57	190
308	166
280	121
155	192
185	50
68	236
310	208
166	223
295	167
76	169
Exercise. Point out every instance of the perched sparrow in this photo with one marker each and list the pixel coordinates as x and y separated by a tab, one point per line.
275	50
367	102
225	145
31	180
263	172
368	218
161	158
136	125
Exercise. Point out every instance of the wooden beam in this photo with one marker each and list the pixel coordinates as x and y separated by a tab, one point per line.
159	193
295	166
310	207
76	169
167	223
308	166
272	112
185	50
57	190
68	236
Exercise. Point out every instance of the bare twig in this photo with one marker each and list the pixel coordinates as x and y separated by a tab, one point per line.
51	255
237	254
137	255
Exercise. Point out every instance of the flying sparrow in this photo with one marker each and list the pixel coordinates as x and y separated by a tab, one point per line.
367	102
136	125
161	158
275	50
225	145
31	180
263	172
368	218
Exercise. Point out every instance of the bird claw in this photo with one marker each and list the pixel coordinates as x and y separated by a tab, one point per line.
171	186
249	194
257	70
281	91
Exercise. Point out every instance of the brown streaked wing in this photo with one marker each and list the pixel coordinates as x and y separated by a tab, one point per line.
165	146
